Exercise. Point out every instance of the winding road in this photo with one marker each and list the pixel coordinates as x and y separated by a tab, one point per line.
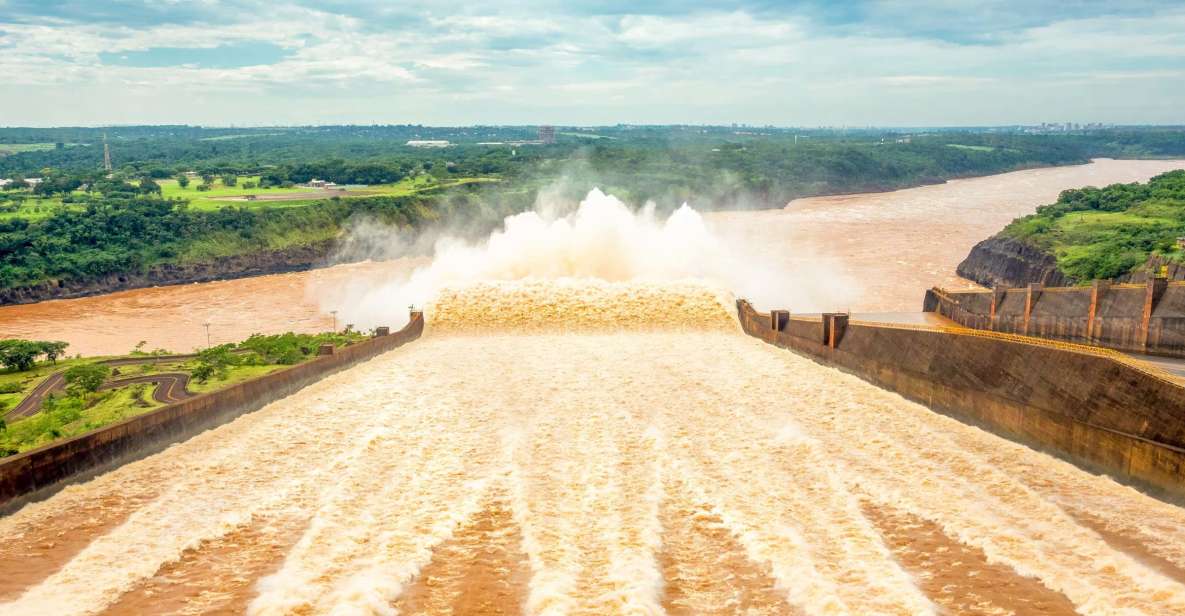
170	386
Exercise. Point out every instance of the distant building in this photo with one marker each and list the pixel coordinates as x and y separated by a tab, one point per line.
428	143
547	134
314	183
32	181
4	182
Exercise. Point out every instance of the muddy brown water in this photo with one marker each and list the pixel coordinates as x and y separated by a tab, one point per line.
701	472
893	245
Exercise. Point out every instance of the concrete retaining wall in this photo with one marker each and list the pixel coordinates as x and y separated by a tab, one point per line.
1140	318
39	473
1098	412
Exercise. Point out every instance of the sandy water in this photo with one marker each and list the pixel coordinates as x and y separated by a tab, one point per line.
686	470
887	248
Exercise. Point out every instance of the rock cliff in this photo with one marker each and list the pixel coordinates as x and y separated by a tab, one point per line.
1000	260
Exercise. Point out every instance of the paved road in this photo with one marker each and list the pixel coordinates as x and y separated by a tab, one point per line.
170	386
174	386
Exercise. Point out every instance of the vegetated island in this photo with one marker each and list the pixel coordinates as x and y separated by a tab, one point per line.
189	204
1121	232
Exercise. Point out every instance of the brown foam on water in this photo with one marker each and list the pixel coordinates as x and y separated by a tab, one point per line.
481	571
1136	547
579	305
683	469
706	570
34	551
217	577
958	577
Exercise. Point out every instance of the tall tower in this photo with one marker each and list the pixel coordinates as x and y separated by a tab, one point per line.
106	155
547	134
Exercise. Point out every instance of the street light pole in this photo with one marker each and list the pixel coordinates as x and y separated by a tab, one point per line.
334	313
207	334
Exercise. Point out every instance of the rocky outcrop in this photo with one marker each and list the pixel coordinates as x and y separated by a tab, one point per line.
1000	260
290	259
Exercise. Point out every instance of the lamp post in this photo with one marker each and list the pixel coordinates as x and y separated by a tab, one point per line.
207	325
334	313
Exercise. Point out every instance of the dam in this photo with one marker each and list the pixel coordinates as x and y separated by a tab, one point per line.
588	447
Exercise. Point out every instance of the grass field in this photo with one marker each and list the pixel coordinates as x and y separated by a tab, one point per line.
32	208
216	197
29	379
72	417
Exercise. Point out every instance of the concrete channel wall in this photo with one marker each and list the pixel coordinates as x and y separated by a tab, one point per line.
1100	412
39	473
1139	318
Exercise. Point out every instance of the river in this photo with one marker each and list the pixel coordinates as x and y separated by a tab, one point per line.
867	253
700	472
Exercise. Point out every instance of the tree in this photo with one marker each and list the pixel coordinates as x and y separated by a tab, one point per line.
214	360
230	180
19	355
147	186
183	180
85	379
53	349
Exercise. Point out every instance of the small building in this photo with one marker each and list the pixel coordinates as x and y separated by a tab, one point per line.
315	183
428	143
4	182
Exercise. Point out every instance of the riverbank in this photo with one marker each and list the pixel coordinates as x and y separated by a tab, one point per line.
875	252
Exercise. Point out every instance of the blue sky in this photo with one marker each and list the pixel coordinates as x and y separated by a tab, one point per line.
806	63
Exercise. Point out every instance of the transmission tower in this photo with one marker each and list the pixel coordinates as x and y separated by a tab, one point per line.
106	155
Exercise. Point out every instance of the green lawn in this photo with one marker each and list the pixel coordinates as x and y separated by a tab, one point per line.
234	375
215	198
32	208
29	379
974	148
103	408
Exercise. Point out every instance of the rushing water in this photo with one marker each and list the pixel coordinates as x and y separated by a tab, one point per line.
504	467
892	245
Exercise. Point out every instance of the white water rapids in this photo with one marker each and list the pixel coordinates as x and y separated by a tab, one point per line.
625	467
608	444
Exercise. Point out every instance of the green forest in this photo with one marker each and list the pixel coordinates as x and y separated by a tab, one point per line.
1108	232
81	223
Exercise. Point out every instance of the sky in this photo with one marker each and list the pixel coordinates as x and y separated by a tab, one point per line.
592	62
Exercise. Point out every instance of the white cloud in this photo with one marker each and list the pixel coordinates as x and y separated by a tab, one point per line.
502	64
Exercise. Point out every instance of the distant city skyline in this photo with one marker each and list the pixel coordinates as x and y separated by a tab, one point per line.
911	63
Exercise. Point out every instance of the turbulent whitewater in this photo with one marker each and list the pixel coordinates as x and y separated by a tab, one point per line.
512	468
584	429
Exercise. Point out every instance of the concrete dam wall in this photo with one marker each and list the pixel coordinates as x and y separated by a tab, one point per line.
39	473
1139	318
1097	411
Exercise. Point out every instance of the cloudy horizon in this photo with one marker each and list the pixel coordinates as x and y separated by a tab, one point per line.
810	63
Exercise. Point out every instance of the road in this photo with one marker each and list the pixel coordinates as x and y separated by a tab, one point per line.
171	386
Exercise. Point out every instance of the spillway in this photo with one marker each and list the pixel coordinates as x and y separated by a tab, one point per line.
628	452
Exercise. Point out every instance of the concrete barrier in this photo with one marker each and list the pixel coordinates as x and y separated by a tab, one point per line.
39	473
1100	413
1139	318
